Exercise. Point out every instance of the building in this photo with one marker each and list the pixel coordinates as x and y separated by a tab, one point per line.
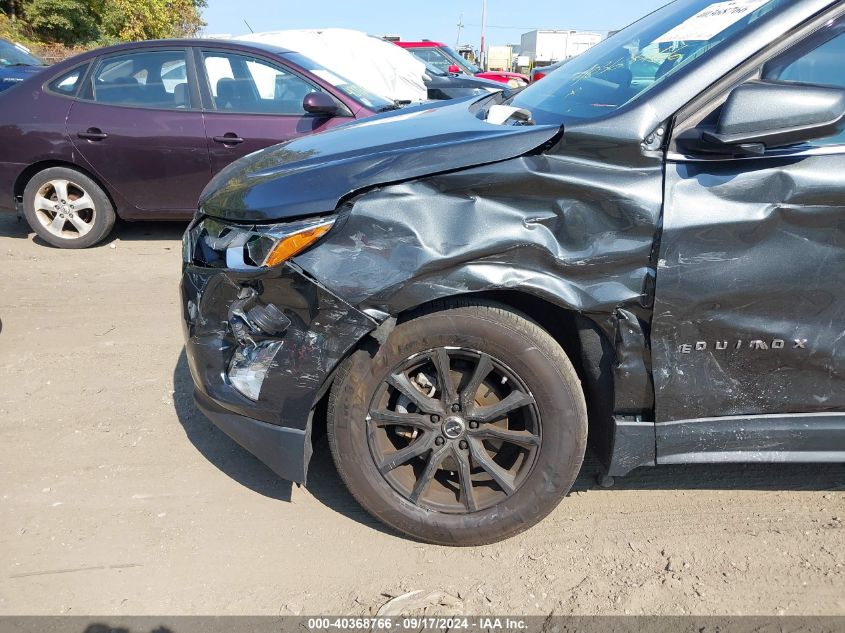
500	58
544	47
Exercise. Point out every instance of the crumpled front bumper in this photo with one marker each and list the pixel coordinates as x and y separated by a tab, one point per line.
322	330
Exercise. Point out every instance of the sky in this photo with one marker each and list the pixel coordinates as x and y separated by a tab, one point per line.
426	19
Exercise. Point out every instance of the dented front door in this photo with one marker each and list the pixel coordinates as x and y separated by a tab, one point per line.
751	286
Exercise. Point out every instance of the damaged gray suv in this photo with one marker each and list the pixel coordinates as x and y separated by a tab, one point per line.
645	250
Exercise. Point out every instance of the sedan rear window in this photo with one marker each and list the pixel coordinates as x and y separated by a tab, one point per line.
147	79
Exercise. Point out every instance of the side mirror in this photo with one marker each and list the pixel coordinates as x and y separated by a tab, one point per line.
454	69
760	115
319	103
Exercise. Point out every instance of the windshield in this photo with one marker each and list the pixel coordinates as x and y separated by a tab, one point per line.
462	61
359	93
442	59
613	73
17	55
431	69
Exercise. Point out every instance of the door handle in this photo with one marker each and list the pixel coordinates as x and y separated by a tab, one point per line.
93	134
229	139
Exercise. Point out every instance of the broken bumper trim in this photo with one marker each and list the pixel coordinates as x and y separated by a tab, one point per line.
316	332
284	450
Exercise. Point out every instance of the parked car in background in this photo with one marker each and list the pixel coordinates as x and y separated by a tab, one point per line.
378	65
366	60
442	85
448	60
16	64
539	73
137	130
652	257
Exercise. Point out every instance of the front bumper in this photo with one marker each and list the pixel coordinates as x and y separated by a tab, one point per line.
323	329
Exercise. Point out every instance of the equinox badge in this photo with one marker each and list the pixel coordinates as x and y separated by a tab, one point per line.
739	344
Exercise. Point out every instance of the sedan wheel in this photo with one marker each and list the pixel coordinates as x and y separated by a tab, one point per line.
67	209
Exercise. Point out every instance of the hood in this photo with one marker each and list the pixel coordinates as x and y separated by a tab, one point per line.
313	174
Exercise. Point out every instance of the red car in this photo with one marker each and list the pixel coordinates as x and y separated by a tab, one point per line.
448	60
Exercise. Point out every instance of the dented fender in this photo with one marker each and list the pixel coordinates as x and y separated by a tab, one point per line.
576	232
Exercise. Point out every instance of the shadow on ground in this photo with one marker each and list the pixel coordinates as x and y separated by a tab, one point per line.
323	481
216	446
146	231
327	487
11	226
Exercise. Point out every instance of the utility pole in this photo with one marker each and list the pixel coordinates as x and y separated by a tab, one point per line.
460	30
483	34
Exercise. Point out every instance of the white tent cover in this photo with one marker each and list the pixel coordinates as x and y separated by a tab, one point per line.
371	62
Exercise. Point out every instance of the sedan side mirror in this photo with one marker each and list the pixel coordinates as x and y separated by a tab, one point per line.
319	103
454	70
761	115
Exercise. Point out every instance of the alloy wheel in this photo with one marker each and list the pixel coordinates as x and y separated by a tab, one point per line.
454	430
65	209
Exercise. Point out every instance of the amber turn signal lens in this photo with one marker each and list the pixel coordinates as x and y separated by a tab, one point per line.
294	244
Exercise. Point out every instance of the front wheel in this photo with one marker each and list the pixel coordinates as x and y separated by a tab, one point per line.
466	427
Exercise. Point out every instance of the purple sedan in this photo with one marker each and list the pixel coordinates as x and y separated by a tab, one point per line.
136	131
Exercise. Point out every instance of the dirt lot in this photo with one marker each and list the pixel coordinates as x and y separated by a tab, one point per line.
119	498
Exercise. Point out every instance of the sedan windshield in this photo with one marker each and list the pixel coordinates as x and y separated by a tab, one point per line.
358	93
17	55
630	63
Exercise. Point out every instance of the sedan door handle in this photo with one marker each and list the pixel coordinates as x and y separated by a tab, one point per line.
93	134
229	139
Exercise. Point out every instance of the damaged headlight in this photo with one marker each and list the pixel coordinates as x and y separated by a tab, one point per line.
216	244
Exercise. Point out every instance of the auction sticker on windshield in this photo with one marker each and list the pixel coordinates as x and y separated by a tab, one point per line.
709	22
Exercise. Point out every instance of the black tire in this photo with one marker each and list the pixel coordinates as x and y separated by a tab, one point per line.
514	344
61	223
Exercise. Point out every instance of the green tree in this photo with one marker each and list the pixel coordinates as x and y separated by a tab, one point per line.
67	21
126	20
75	22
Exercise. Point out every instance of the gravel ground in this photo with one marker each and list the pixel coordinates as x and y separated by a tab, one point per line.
119	498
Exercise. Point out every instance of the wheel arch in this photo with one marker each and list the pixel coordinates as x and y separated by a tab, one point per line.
32	170
587	346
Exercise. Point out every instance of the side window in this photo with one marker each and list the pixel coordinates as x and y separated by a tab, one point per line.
239	83
822	65
68	83
152	79
816	61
